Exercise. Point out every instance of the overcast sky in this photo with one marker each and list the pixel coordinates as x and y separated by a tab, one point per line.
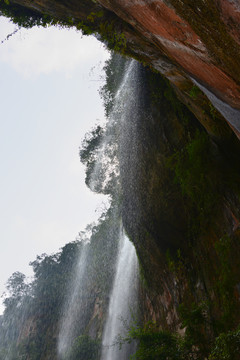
49	99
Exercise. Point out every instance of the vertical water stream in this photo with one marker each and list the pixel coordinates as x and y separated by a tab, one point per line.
123	297
230	114
71	309
122	302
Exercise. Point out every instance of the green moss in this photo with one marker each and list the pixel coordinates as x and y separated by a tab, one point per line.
226	279
25	17
162	91
194	172
176	264
98	22
115	40
205	19
106	29
194	92
94	15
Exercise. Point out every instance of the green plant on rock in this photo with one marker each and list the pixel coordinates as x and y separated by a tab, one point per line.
176	264
93	24
194	92
84	348
226	278
24	17
227	346
196	174
94	15
115	40
213	111
154	344
195	322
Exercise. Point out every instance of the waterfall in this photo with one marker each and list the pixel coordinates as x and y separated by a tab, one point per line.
122	302
107	159
230	114
71	308
123	287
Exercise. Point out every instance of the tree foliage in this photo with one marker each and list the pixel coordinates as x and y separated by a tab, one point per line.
99	150
29	325
23	16
227	346
114	69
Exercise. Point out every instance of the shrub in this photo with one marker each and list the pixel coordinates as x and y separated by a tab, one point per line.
84	348
227	346
154	344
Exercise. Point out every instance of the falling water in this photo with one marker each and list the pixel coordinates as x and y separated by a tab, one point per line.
123	296
124	292
230	114
122	302
71	309
107	163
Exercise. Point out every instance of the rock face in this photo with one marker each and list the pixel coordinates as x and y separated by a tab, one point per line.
181	32
198	39
181	39
181	208
181	192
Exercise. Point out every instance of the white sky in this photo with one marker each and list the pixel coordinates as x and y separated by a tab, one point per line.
48	100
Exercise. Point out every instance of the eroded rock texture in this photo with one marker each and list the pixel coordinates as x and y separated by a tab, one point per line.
181	208
177	38
181	194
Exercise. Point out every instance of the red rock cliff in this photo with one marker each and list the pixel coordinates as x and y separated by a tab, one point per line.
181	39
